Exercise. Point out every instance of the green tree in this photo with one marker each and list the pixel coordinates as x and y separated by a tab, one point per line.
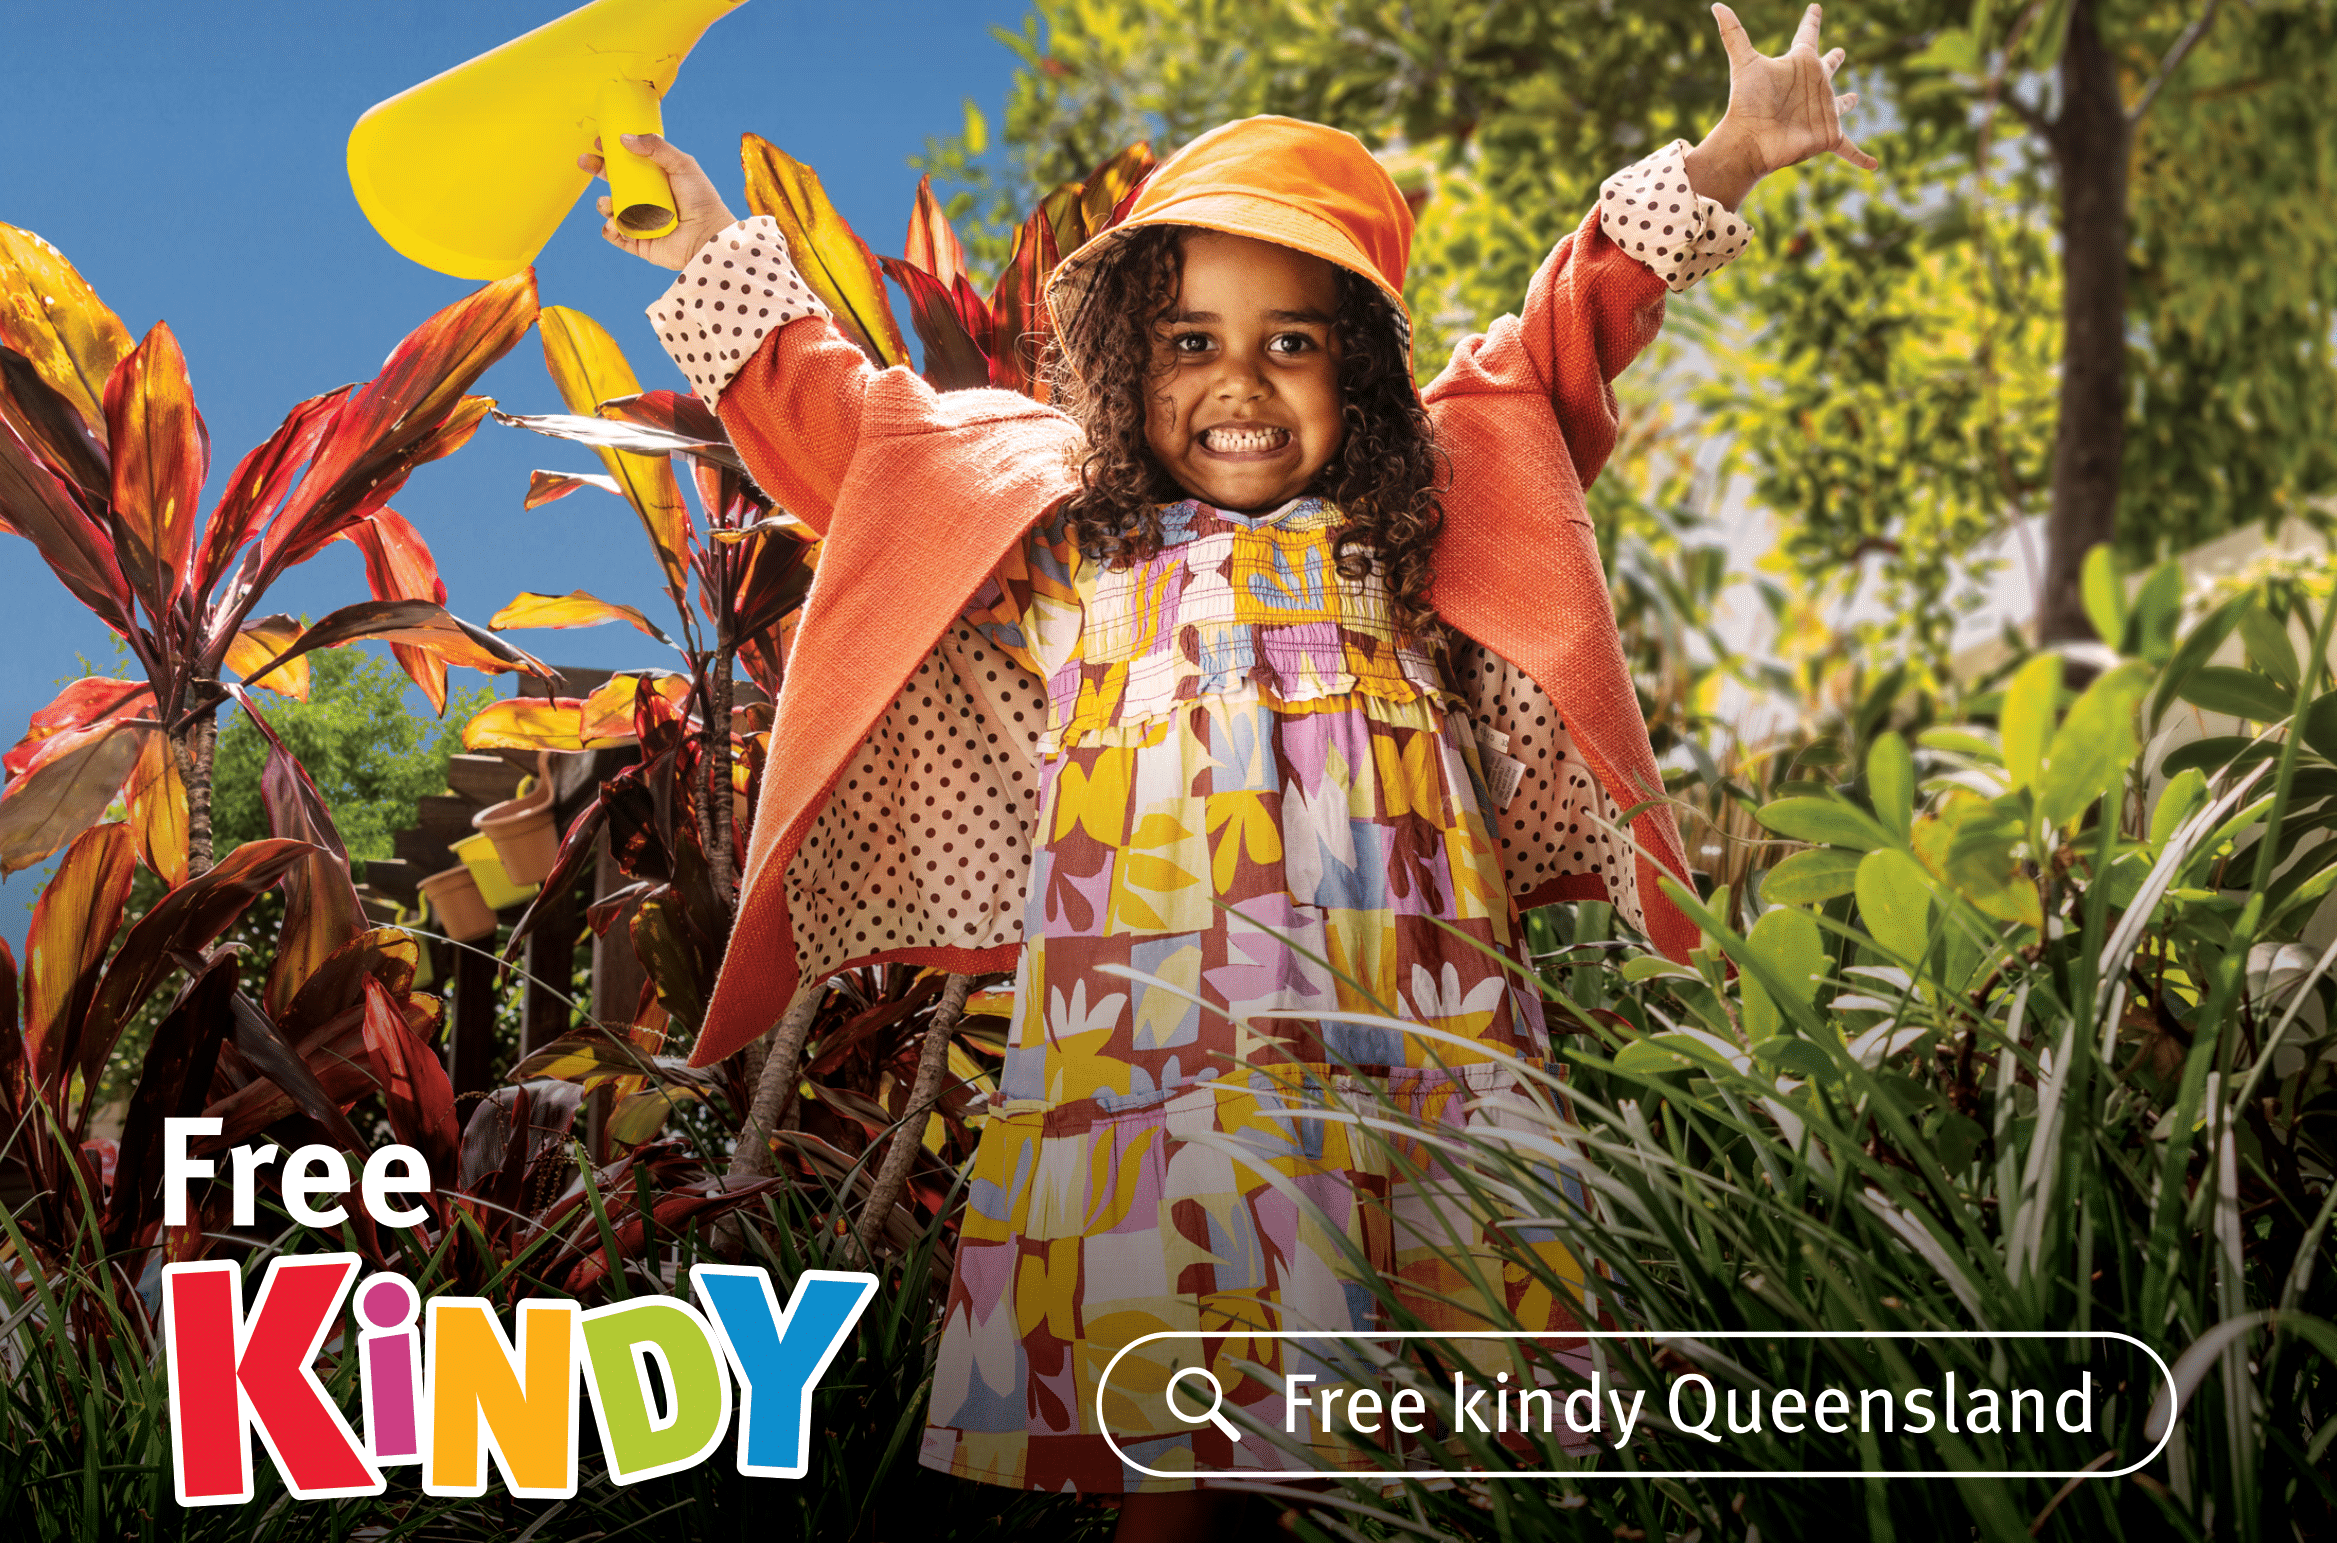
2172	157
371	755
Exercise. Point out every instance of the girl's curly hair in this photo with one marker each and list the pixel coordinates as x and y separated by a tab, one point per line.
1387	478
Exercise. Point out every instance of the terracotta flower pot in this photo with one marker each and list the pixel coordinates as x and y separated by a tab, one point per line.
525	839
455	900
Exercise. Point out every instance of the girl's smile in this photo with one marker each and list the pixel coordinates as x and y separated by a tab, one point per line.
1246	406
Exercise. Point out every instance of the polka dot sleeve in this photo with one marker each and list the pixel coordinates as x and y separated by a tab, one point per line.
1649	210
738	290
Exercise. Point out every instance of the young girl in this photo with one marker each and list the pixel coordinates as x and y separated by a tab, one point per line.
1210	673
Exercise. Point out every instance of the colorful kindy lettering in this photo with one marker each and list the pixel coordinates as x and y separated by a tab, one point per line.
441	1383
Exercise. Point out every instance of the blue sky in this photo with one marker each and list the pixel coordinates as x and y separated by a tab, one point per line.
189	160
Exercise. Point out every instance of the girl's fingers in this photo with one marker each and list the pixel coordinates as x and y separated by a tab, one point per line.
1733	41
1849	151
590	163
1832	62
1806	35
1842	104
606	208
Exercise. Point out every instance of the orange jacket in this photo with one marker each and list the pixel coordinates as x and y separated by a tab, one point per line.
900	757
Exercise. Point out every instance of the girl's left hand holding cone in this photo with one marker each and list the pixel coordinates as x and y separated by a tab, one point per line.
1781	111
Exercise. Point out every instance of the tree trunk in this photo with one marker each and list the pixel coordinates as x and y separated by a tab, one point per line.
932	1066
193	746
782	1066
2091	145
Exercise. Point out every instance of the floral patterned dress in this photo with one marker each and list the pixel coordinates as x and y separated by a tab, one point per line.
1257	794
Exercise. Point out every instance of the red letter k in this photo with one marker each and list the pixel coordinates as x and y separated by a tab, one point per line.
230	1376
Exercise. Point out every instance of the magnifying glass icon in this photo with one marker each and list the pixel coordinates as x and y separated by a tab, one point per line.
1209	1415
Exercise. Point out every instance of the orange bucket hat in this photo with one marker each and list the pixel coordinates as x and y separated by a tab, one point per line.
1301	185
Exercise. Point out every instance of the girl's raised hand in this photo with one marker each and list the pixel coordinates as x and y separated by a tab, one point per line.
698	209
1780	111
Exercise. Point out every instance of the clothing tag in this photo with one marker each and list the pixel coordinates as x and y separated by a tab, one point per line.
1503	776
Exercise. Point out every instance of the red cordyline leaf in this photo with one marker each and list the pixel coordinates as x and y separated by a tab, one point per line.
676	412
72	779
954	359
545	487
398	566
259	483
46	420
1018	308
932	243
415	1092
417	622
93	699
187	920
161	454
412	412
73	927
36	505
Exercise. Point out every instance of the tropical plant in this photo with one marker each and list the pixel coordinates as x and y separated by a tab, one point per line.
103	456
2022	1039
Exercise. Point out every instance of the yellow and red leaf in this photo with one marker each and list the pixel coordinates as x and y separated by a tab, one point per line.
574	609
161	454
544	487
398	566
157	797
589	368
73	927
932	243
413	411
834	261
263	640
51	315
92	699
67	787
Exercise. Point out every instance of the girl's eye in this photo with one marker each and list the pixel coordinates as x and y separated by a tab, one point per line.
1291	343
1189	343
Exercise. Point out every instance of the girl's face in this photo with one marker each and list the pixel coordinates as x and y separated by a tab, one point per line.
1245	402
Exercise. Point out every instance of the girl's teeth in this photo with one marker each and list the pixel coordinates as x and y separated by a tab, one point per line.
1243	441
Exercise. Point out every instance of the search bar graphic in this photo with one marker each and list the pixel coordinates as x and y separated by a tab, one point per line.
1691	1400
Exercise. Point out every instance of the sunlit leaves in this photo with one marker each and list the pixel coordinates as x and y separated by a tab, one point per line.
1890	782
157	799
1825	821
589	369
49	314
574	609
92	699
544	487
72	930
1790	942
161	454
836	263
421	624
75	775
266	639
1894	902
1810	878
2095	744
2027	719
